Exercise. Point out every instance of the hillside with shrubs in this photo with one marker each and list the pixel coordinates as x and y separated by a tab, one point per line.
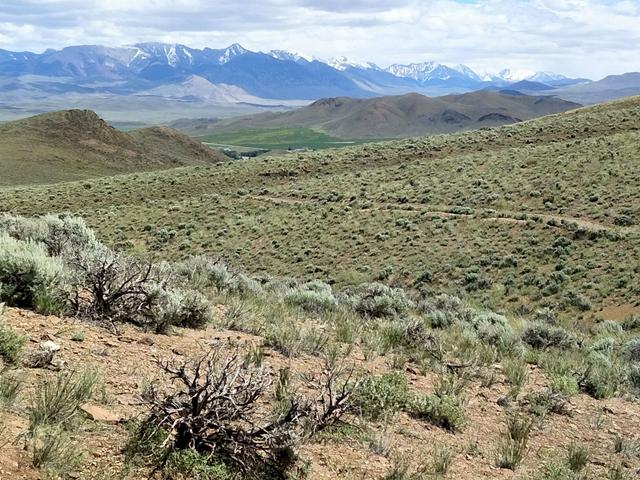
193	369
460	306
541	214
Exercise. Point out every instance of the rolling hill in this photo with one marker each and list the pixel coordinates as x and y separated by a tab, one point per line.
477	291
76	144
486	204
394	116
609	88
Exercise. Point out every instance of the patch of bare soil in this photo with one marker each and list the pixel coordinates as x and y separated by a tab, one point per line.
127	364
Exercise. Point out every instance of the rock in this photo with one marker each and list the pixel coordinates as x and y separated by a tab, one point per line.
100	414
57	363
49	346
42	356
147	340
37	359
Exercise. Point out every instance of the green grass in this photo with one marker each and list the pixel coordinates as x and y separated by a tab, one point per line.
278	139
514	218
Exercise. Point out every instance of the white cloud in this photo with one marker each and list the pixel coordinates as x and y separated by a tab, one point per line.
577	37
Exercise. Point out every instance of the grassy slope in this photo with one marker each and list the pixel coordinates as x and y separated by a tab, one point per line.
277	139
77	144
513	217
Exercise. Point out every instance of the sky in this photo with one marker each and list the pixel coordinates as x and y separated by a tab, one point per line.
580	38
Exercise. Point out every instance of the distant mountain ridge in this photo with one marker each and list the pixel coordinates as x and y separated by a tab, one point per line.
394	116
151	83
277	74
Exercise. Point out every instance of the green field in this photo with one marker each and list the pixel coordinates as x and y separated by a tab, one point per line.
278	139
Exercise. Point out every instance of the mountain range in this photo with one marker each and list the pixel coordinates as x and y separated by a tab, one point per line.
275	75
186	82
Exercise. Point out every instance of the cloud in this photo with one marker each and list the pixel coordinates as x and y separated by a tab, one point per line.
578	37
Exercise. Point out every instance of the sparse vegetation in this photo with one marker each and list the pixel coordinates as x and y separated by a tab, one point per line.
58	399
324	258
513	442
380	397
214	414
11	342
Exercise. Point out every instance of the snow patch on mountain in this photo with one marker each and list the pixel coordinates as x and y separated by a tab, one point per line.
544	77
466	71
290	56
342	63
231	52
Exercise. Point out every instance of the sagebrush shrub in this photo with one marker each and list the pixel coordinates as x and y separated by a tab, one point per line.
604	345
204	272
540	336
381	396
312	298
631	322
182	308
58	233
633	378
377	300
11	342
441	311
632	350
608	327
27	271
601	377
444	411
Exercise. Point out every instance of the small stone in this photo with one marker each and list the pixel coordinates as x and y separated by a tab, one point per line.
57	363
49	346
147	340
100	414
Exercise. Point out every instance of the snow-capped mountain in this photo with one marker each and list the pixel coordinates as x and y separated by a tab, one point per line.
437	74
546	77
464	70
231	52
290	56
416	71
343	63
277	74
510	76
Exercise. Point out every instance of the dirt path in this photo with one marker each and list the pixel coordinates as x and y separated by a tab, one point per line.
446	211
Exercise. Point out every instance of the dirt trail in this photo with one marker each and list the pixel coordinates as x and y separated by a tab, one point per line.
447	211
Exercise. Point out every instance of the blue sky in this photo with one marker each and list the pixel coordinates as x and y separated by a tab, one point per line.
589	38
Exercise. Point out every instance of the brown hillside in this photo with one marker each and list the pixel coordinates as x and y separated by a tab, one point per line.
76	144
397	116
